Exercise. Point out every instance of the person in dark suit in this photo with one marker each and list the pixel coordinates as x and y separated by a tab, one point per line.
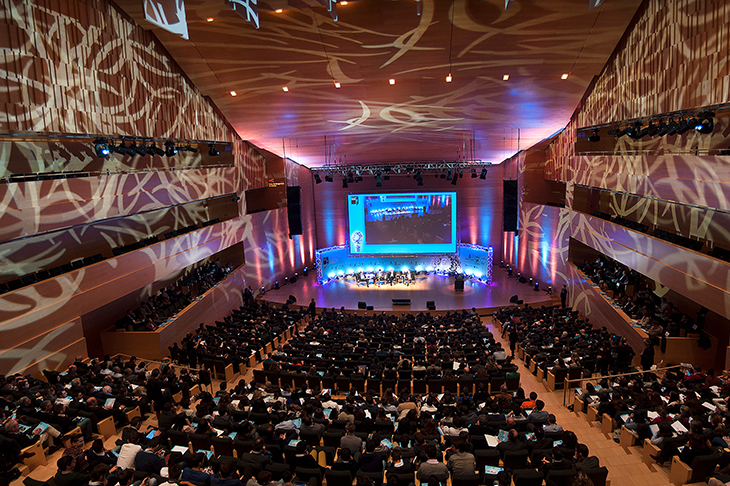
257	459
559	462
583	460
303	459
647	355
513	443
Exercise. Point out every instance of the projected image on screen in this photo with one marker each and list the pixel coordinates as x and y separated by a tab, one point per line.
402	223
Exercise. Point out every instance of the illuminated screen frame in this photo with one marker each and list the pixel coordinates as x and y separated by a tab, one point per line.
357	246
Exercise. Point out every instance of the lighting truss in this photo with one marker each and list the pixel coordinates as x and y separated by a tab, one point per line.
403	168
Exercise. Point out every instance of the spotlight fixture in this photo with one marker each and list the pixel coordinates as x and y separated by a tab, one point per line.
564	76
120	149
379	179
170	148
337	85
279	10
329	178
153	150
344	182
391	81
505	77
448	78
454	179
191	149
673	127
233	93
634	131
483	175
101	148
662	129
142	149
473	173
684	126
132	149
212	150
285	89
705	123
448	174
594	137
210	19
350	177
317	179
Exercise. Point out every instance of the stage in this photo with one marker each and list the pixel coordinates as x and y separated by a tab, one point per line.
345	292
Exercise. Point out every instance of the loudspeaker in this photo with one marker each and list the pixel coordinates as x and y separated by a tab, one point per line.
459	283
362	305
430	305
509	206
370	307
401	301
294	209
520	302
513	299
523	280
293	279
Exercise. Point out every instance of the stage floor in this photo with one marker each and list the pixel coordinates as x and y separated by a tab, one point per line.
346	293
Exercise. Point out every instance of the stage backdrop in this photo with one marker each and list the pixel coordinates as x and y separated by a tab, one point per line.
479	205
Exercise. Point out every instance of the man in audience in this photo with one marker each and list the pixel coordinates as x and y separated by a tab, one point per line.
462	462
513	443
66	476
432	467
350	440
583	460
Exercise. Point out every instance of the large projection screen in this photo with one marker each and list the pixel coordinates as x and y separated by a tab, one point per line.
401	223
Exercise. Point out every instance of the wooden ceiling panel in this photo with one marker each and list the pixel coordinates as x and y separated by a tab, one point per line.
421	117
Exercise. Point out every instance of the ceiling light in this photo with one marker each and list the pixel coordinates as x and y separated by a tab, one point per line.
684	125
343	3
564	76
662	129
448	78
233	93
705	123
285	89
132	149
337	85
170	148
210	19
391	81
212	150
505	77
101	148
142	149
121	148
279	10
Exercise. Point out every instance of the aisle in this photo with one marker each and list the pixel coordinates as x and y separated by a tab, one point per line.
623	469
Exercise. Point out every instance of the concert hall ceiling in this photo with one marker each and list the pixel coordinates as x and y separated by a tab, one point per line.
479	115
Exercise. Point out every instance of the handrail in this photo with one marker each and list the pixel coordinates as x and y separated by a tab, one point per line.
566	381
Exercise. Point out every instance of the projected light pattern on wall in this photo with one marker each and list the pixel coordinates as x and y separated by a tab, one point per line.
471	260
